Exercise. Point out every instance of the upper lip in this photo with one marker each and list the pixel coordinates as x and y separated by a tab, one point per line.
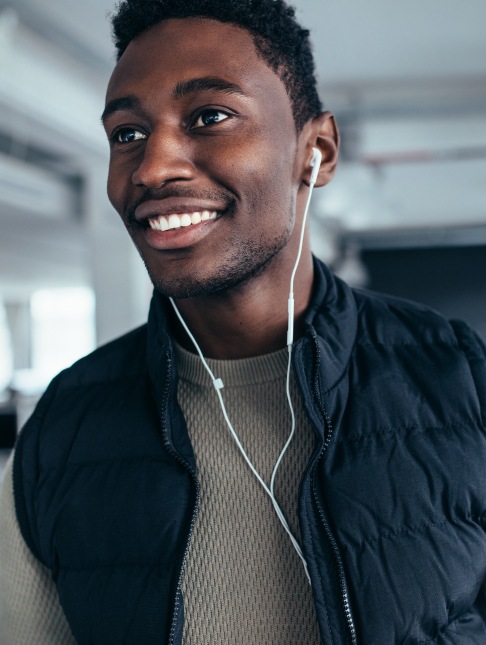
170	205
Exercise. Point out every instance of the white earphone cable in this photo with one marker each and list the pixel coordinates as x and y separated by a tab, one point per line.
218	383
218	386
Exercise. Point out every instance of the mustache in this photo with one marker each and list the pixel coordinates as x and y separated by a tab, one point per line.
216	195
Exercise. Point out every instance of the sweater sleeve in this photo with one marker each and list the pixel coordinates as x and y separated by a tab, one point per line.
29	607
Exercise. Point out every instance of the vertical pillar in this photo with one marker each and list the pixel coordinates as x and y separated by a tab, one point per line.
121	285
19	325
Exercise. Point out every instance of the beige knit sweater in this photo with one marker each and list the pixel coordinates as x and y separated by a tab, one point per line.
243	583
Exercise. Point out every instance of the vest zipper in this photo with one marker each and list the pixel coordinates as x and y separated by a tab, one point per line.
342	580
337	556
187	466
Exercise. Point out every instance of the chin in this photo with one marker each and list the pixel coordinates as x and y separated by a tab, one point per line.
178	288
230	276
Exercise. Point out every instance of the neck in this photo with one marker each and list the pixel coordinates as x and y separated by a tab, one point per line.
251	319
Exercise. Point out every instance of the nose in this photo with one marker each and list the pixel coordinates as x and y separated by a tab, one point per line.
166	157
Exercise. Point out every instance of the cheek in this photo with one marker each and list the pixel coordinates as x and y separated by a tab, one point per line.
254	162
271	188
260	171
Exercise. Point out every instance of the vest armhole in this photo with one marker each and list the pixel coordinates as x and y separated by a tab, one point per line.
26	472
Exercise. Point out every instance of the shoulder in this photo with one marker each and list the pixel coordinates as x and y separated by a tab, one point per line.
87	402
108	373
385	318
436	348
123	356
118	361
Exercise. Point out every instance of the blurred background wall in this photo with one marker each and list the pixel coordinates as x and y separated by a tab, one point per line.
405	214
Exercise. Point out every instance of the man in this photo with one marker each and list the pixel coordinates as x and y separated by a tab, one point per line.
137	518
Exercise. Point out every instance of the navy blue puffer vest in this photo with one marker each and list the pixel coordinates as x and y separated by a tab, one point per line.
392	504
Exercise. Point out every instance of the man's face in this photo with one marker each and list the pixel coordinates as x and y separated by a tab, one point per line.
205	161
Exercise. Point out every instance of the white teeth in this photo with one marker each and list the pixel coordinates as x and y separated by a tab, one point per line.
174	221
166	223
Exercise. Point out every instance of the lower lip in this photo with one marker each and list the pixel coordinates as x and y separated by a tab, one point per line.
178	238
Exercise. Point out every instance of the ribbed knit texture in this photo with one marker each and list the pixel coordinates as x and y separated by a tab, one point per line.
243	581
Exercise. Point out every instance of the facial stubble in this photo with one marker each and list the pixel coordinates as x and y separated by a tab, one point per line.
247	260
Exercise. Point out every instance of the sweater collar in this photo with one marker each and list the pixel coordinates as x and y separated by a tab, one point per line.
234	372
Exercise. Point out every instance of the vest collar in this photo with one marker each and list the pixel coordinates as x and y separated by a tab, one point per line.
330	321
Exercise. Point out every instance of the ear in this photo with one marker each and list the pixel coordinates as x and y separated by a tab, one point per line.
322	133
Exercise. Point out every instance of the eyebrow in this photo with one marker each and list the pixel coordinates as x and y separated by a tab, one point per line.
206	83
129	102
182	89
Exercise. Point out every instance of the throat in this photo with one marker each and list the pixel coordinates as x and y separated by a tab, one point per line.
227	335
250	320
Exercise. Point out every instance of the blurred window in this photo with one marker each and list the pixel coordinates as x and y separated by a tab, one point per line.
63	328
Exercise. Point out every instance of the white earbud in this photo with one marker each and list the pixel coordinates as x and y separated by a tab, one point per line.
315	165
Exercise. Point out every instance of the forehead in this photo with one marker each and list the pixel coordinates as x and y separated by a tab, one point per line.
180	49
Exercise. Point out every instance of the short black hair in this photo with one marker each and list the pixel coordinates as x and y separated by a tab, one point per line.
281	42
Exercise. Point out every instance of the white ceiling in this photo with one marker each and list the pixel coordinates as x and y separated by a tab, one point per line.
356	43
359	43
407	81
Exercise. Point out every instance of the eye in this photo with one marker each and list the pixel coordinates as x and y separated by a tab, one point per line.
128	135
210	117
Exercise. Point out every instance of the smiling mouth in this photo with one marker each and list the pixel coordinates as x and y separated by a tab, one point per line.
179	220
